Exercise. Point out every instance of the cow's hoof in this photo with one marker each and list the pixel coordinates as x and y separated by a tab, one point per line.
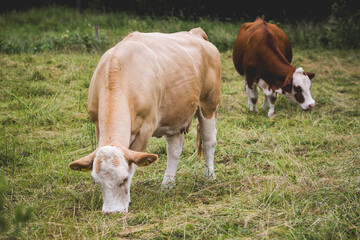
167	185
210	176
253	109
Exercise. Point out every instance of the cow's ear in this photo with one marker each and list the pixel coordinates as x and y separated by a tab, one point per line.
144	159
84	164
310	75
139	158
287	85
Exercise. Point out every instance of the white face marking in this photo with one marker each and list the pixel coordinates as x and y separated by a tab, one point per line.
113	173
300	80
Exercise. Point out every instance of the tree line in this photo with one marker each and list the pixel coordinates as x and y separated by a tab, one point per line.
277	10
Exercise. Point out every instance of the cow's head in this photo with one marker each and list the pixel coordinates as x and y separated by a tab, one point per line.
112	168
297	88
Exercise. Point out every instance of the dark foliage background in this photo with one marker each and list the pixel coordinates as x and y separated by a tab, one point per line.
309	24
279	10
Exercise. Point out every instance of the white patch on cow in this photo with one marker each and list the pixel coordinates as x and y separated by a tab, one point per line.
303	81
208	135
114	180
268	93
271	110
265	87
252	95
174	146
279	90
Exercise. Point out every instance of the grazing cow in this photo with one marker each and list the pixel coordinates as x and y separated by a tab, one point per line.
262	52
150	84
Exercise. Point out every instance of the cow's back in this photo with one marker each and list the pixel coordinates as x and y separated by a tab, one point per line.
257	39
165	75
190	73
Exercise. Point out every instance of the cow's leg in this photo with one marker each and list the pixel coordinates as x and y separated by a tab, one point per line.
208	136
266	102
174	144
252	95
251	88
272	99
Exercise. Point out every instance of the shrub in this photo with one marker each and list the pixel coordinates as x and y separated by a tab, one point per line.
343	30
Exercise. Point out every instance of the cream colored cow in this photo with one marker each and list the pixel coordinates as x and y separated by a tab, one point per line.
150	84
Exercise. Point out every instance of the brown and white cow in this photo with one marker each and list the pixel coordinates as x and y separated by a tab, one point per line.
262	52
150	84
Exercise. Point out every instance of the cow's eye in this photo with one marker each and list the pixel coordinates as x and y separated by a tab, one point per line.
123	181
298	89
299	97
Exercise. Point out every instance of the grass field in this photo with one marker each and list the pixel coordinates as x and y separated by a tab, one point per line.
294	176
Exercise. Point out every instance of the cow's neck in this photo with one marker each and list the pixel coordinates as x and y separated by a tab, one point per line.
277	73
114	119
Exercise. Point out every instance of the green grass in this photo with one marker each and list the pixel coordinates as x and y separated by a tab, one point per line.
294	176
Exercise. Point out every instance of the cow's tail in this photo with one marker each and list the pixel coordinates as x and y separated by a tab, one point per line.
199	144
